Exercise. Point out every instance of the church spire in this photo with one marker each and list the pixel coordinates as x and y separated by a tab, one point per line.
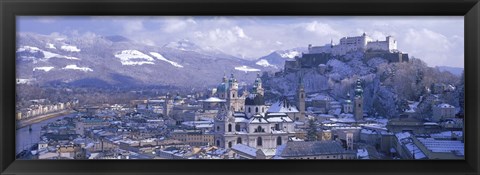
359	89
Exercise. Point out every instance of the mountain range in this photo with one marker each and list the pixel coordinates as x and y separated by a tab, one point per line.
119	61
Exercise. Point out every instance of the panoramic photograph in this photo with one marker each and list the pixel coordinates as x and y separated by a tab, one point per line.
240	87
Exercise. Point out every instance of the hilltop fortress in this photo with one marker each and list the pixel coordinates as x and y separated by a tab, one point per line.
318	55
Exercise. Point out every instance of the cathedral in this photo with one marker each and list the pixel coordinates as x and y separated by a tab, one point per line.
246	120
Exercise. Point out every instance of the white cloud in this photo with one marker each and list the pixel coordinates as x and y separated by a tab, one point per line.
432	47
175	24
321	29
131	26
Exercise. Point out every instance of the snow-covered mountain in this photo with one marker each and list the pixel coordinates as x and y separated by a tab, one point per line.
276	60
119	61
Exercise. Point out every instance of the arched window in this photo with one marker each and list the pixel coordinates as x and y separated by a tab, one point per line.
256	109
301	96
263	109
229	144
237	127
239	140
229	127
249	110
259	129
279	140
218	143
218	128
233	95
259	141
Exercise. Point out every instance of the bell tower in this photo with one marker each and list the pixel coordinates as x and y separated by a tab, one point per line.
300	98
358	108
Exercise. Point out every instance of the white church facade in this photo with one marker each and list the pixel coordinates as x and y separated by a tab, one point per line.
250	123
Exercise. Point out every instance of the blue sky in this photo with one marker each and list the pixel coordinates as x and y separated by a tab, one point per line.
438	40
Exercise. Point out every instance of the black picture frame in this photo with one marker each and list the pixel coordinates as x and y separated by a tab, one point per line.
470	9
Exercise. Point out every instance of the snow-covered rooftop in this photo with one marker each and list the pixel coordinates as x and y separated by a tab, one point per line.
245	149
445	105
282	106
213	100
362	154
443	145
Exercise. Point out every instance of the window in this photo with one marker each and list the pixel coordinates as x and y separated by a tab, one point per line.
301	96
277	126
239	140
229	127
279	140
259	129
233	95
229	144
259	141
249	110
237	127
256	109
218	128
218	143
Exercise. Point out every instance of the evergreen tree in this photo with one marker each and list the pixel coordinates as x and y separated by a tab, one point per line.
312	130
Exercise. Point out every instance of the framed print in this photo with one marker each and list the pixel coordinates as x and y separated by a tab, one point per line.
239	87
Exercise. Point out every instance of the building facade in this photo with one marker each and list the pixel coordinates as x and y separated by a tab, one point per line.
252	125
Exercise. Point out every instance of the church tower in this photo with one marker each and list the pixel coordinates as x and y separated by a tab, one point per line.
258	85
234	102
347	105
167	105
358	101
300	98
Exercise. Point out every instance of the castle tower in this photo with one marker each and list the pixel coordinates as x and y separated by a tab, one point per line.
300	98
358	108
167	106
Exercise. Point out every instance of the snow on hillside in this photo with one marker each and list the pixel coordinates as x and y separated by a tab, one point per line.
50	46
290	54
134	57
264	63
340	70
46	54
70	48
75	67
30	49
160	57
246	69
46	68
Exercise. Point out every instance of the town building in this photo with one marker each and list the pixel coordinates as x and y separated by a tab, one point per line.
442	112
316	150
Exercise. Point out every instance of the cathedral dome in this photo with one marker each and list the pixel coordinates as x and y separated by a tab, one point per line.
255	100
222	87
